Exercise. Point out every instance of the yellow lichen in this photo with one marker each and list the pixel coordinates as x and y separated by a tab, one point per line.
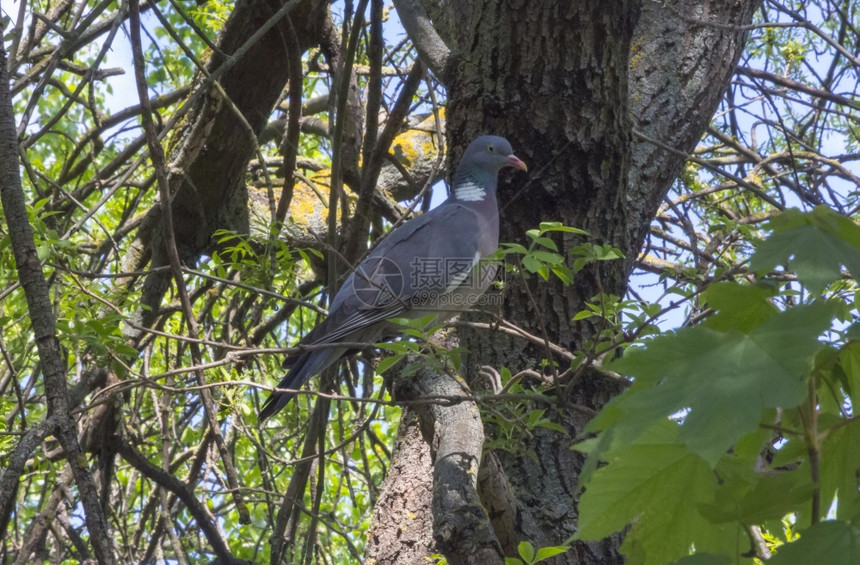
417	142
636	54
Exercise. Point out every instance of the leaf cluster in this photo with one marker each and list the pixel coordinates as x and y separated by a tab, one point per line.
734	424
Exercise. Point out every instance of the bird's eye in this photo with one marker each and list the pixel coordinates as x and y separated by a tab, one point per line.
491	148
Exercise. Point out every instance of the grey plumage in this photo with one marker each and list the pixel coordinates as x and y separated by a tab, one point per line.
426	265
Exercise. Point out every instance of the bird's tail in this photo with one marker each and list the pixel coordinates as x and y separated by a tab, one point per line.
300	370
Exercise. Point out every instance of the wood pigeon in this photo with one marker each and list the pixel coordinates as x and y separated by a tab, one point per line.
425	265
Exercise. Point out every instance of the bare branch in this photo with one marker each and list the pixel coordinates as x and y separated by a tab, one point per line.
798	86
204	519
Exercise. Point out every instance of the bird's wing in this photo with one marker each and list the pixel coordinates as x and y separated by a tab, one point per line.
430	255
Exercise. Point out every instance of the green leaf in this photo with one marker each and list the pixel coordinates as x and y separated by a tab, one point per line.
412	332
546	242
832	542
547	552
703	559
563	273
526	551
558	226
515	248
655	485
412	369
725	379
594	447
740	307
387	363
849	361
750	498
608	253
531	264
580	263
534	416
550	425
840	463
815	245
548	257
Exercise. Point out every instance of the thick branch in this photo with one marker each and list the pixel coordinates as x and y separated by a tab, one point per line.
674	67
401	531
212	195
290	147
430	46
461	526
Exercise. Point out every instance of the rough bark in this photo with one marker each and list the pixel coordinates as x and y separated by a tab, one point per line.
443	469
560	95
461	526
561	80
679	70
402	526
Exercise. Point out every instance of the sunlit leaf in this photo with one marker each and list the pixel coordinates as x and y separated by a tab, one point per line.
831	542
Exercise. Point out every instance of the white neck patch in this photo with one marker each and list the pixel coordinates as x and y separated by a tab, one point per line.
469	192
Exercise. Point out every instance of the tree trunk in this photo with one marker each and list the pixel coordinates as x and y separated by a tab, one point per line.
560	95
560	81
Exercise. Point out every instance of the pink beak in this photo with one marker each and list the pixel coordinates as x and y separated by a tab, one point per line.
514	162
